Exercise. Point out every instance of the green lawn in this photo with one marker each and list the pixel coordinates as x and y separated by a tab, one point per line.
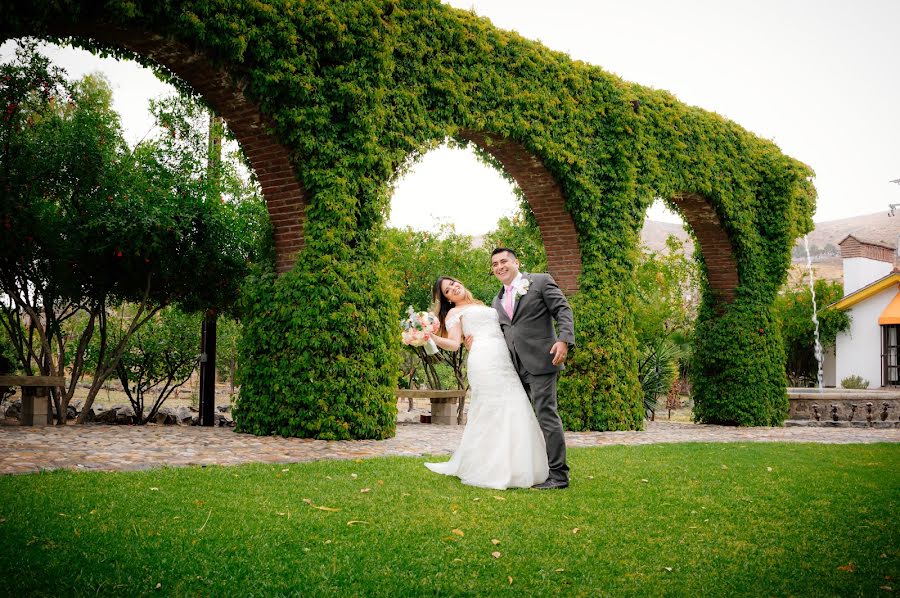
688	519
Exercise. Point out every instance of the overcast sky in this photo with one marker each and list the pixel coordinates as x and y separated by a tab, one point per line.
818	77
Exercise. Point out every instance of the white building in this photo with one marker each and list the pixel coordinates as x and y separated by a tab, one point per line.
869	348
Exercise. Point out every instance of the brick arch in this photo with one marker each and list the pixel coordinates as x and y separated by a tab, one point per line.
547	202
285	197
714	243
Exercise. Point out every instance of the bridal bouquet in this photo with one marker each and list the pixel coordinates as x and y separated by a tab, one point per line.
418	328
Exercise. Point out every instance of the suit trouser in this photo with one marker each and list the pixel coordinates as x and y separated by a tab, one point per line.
541	391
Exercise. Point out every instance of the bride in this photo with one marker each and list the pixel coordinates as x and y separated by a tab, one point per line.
502	445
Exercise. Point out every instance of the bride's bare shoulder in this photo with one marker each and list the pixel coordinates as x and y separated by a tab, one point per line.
458	311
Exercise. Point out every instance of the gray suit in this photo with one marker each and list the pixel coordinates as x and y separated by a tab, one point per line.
529	336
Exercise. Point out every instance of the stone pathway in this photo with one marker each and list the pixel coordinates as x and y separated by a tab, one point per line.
111	448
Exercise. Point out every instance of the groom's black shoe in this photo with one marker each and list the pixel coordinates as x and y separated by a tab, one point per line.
551	485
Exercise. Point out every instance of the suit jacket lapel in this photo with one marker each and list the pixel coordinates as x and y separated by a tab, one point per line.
498	305
520	298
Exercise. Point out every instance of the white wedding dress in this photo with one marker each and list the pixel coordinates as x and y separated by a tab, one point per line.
502	445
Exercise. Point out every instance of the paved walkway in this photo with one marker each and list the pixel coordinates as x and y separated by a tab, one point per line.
110	448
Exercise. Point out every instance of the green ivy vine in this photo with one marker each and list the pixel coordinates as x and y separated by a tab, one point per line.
355	87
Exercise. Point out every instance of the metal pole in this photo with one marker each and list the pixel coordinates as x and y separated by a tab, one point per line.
208	329
208	370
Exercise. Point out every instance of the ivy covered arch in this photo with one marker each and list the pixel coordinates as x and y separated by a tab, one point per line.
329	97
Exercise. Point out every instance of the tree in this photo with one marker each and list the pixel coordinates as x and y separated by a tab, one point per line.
665	311
416	259
228	336
91	224
794	313
521	234
160	356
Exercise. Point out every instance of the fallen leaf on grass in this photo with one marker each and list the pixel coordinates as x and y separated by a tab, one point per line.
849	567
354	522
475	499
457	560
364	490
496	554
2	519
576	530
495	541
724	466
154	488
768	469
285	470
887	588
559	570
510	580
406	494
499	498
158	586
590	477
354	476
669	569
458	532
329	509
645	481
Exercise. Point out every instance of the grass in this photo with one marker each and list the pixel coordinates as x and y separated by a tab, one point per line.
687	519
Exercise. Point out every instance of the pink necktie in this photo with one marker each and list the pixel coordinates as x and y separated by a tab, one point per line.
508	301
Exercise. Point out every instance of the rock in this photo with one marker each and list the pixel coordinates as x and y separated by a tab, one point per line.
224	421
125	415
107	417
71	412
183	416
14	409
166	416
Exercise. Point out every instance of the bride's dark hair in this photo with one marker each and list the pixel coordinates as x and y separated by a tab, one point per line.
442	305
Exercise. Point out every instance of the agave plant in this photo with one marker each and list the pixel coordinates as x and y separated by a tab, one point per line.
658	370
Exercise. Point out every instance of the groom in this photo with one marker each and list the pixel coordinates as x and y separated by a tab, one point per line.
528	304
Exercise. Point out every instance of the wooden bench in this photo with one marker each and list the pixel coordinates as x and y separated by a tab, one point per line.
443	402
35	397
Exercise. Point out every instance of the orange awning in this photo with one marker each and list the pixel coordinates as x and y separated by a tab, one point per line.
891	313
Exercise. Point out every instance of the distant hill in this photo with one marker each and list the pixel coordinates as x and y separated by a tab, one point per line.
655	233
876	227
